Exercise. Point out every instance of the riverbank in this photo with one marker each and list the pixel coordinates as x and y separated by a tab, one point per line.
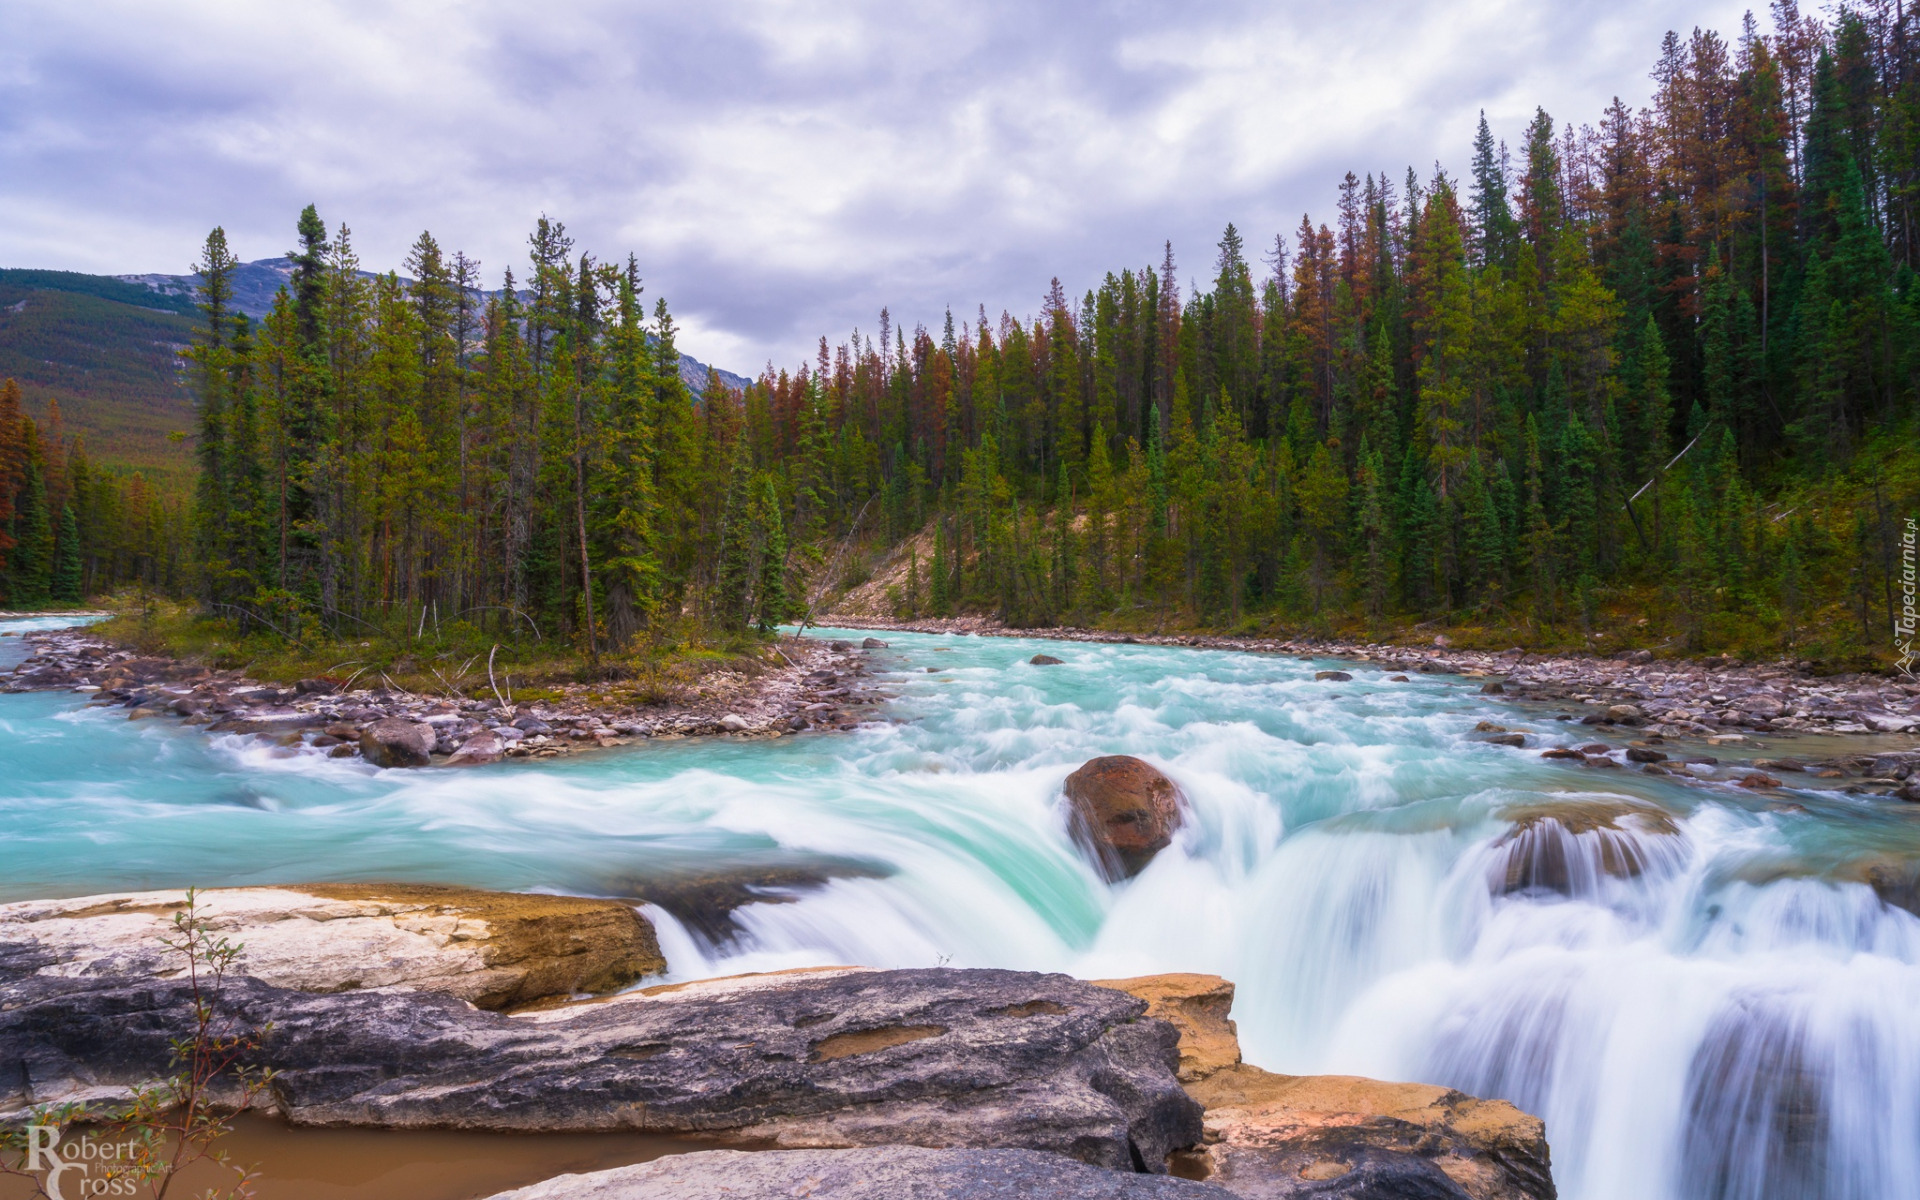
798	685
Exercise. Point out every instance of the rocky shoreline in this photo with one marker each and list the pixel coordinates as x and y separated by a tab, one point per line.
384	1008
821	685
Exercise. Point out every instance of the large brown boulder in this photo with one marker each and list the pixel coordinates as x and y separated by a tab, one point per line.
397	742
1123	812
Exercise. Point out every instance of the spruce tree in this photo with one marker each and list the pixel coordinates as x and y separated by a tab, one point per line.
66	561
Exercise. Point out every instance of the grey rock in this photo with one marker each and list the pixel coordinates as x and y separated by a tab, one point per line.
983	1059
1044	660
481	748
872	643
397	742
889	1173
734	723
1335	676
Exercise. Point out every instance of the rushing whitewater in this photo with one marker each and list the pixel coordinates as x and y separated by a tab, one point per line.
1689	983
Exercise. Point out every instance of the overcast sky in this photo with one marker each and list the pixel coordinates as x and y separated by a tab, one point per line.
782	169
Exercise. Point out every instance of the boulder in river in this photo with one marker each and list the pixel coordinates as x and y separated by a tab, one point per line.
1335	676
1569	846
875	1173
493	949
872	643
1123	812
1044	660
397	742
821	1058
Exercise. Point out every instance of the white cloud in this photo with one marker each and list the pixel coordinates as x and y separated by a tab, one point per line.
782	167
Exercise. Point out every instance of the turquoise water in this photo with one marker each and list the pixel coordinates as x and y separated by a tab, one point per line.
1732	1018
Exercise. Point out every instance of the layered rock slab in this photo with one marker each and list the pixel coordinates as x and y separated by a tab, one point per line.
889	1173
494	949
938	1057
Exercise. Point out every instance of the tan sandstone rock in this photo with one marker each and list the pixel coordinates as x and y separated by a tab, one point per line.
1270	1137
1124	811
1196	1005
496	950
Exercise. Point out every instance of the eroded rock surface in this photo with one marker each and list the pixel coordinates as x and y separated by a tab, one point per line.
814	1059
1199	1007
1123	812
1335	1137
889	1173
1279	1136
493	949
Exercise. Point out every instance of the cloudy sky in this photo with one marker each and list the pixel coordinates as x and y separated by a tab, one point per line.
782	168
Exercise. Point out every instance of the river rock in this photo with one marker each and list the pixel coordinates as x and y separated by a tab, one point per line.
1566	845
878	1173
872	643
1123	812
819	1058
493	949
483	747
1044	660
397	742
1198	1007
1334	676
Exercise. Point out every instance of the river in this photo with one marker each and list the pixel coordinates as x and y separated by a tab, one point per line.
1702	1001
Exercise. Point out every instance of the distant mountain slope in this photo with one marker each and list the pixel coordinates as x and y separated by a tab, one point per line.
113	365
107	347
256	283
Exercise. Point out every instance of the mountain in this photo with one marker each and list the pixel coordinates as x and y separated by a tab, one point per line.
256	283
109	353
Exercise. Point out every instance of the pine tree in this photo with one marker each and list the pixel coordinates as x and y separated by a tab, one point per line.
66	580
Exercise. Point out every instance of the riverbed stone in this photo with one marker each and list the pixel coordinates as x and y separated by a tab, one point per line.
1123	811
398	742
878	1173
483	747
820	1058
493	949
1044	660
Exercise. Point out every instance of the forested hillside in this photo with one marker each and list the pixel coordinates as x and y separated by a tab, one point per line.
1653	375
108	354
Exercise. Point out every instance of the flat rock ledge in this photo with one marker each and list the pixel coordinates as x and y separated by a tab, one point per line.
496	950
820	1059
890	1173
